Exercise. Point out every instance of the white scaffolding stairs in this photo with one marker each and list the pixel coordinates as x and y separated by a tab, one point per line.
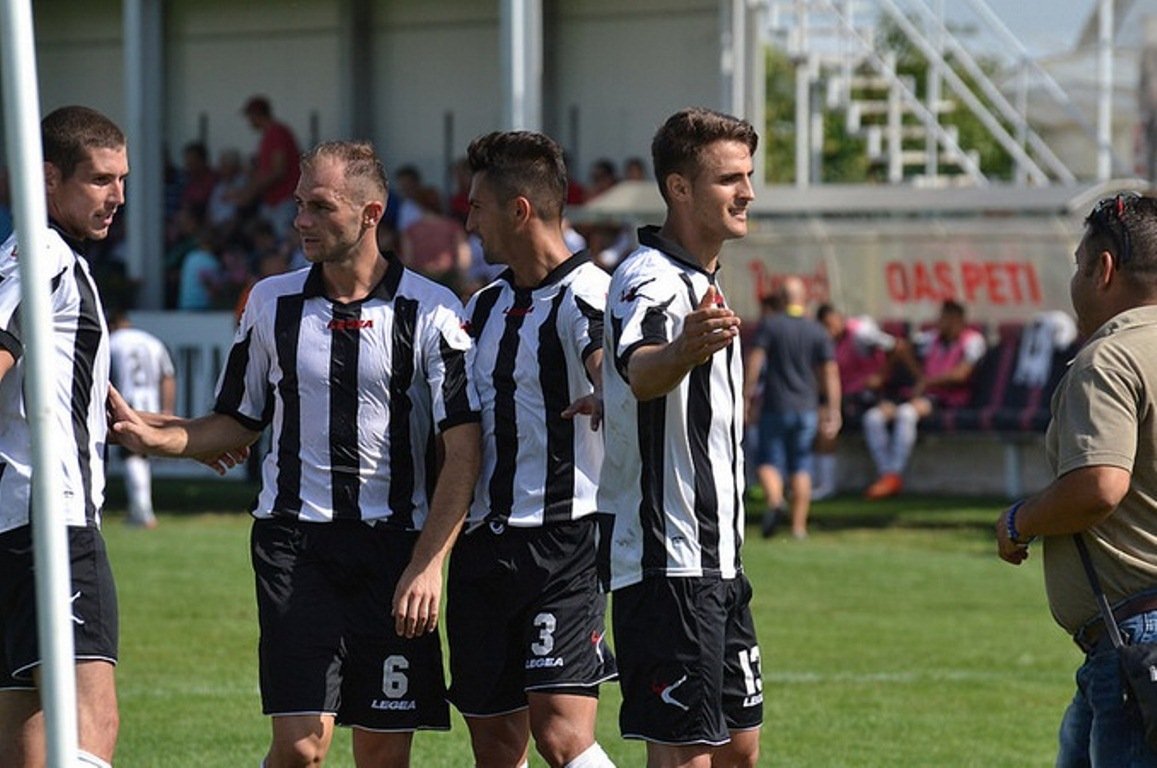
841	68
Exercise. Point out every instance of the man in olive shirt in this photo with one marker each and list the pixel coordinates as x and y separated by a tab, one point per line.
1102	446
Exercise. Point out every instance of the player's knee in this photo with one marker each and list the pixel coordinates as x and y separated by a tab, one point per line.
299	753
875	417
497	746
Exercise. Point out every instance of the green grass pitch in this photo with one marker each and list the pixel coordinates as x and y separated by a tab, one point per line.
892	637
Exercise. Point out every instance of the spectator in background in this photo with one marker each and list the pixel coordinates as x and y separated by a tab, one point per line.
575	194
635	169
435	245
459	205
142	371
197	176
603	176
5	205
863	356
794	357
404	190
200	274
949	353
275	175
222	210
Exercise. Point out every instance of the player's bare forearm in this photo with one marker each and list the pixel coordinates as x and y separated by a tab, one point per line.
418	596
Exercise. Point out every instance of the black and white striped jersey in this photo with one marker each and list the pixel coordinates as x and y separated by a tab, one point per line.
354	392
530	349
673	474
140	362
79	371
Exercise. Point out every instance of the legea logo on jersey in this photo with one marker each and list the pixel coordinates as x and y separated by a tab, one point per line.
349	324
518	311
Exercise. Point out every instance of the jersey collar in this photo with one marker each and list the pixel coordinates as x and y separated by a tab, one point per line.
79	246
385	290
555	275
650	237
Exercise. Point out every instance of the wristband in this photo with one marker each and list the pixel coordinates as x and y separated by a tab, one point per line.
1010	525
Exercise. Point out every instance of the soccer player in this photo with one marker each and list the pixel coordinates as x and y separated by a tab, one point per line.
142	371
525	615
85	165
357	363
673	473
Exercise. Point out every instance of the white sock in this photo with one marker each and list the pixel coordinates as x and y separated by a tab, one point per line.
876	436
825	479
592	757
904	436
89	760
139	489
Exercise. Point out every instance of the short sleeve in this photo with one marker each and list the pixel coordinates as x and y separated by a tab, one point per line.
446	347
1098	417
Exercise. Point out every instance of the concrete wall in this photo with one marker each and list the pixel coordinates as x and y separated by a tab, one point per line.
426	81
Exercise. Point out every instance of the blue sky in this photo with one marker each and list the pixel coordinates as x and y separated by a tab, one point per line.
1044	26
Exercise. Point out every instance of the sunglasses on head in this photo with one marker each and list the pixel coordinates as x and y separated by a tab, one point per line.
1110	215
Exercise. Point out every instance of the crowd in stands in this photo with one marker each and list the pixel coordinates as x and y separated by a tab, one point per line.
229	222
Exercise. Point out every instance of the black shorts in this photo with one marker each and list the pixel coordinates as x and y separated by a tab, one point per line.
688	659
328	645
93	604
525	613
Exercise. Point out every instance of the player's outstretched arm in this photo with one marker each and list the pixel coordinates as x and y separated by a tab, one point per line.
656	369
417	598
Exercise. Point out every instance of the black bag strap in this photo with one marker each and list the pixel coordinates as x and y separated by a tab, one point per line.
1098	593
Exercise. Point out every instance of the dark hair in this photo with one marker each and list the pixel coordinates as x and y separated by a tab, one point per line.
258	105
679	143
953	307
69	135
1126	226
361	162
522	163
823	311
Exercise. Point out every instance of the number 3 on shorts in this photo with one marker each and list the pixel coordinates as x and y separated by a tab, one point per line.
394	680
546	625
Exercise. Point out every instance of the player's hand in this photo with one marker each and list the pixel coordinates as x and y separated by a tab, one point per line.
589	405
126	426
223	462
416	600
706	330
1006	549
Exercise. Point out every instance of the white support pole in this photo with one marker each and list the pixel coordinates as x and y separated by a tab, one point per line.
802	96
144	105
50	540
522	64
935	77
1105	91
756	111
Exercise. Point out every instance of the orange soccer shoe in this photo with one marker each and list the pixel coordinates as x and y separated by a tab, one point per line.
889	484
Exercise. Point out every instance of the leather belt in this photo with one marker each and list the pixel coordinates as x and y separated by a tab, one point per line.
1094	631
